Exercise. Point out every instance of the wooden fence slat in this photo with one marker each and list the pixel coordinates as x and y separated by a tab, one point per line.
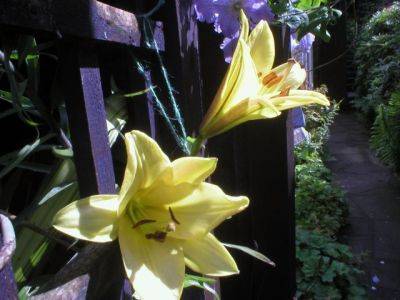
271	187
256	159
87	119
81	18
92	155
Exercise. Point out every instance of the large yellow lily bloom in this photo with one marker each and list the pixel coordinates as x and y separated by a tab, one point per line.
162	217
251	90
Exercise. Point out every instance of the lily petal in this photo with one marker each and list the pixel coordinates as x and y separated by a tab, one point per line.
188	169
244	26
295	78
289	75
208	256
93	219
262	47
156	269
319	98
150	160
246	110
203	210
241	82
288	102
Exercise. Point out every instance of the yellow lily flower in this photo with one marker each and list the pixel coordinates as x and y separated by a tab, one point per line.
251	90
162	217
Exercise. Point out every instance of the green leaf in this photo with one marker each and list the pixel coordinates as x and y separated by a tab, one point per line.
63	152
308	4
22	154
200	282
55	191
251	252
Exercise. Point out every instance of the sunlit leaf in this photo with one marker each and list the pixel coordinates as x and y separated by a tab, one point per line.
251	252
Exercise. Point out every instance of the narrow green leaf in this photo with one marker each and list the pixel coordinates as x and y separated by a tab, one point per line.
200	282
22	154
251	252
63	152
56	190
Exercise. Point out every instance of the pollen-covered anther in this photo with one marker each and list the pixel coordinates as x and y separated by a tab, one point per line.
269	78
284	92
158	236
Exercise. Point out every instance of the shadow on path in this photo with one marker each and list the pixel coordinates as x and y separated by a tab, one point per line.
373	194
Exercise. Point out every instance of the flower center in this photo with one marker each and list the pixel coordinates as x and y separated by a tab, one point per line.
151	228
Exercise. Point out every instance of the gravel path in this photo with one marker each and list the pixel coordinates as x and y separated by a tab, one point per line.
373	193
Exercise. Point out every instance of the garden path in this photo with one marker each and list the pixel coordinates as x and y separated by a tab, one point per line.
373	194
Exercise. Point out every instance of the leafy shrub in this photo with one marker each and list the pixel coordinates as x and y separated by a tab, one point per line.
319	205
385	134
378	60
319	118
326	269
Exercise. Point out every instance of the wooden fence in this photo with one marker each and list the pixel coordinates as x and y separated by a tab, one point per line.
255	159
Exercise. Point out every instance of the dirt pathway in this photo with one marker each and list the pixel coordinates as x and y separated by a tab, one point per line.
373	193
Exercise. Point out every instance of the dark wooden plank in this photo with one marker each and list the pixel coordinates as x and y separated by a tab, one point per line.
87	119
92	155
271	188
256	159
87	19
183	60
330	58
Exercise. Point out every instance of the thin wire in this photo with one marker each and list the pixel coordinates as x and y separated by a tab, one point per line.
161	109
176	110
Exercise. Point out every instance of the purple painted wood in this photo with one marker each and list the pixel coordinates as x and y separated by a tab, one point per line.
72	17
92	155
87	120
88	19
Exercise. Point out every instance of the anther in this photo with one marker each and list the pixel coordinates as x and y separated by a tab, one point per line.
142	222
171	213
158	236
267	78
284	92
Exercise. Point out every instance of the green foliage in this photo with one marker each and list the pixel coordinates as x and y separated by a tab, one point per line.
377	59
326	269
385	133
319	204
319	118
307	16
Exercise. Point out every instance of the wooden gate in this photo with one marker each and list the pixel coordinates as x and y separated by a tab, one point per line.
256	159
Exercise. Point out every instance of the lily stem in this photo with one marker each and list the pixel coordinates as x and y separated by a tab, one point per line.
197	145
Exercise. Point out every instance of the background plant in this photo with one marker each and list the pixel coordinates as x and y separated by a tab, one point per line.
385	133
325	267
377	59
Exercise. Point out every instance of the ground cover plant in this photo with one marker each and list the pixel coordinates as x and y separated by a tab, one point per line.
325	267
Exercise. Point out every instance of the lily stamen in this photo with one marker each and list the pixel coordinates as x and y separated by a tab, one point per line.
171	213
142	222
